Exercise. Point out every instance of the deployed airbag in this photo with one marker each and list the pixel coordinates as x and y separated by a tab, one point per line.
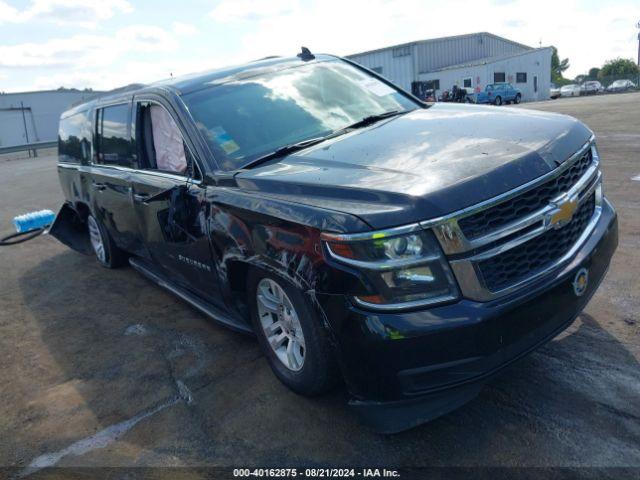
167	141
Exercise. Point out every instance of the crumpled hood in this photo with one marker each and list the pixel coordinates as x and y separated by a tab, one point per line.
424	164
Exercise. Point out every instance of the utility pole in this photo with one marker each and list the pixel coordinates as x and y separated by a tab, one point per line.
24	122
638	27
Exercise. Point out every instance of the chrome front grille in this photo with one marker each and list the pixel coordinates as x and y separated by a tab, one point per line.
536	254
485	221
507	242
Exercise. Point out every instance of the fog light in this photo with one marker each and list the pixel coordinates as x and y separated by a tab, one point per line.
399	278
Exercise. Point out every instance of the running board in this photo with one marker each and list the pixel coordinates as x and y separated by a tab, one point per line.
195	301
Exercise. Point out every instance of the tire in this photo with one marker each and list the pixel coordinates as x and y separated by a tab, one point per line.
498	100
517	99
107	252
313	370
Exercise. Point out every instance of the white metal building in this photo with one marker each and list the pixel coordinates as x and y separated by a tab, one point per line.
30	117
471	61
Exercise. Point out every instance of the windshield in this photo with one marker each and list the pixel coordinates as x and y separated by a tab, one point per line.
245	119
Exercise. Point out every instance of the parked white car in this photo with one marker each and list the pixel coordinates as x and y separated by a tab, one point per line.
554	91
571	90
591	87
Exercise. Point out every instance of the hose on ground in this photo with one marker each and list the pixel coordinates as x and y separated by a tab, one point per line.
20	237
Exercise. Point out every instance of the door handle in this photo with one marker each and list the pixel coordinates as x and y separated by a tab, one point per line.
99	186
140	197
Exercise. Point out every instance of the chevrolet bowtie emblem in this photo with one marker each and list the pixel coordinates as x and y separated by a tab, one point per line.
563	213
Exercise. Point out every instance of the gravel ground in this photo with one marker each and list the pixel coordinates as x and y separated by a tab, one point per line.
102	368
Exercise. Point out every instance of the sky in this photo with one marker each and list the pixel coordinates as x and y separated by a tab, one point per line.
103	44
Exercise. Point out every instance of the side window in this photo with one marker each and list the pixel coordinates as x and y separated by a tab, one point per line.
74	138
112	136
161	145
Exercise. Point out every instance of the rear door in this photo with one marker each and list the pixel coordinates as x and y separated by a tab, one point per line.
169	200
110	175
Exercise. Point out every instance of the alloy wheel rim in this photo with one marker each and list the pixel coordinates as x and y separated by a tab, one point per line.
281	324
96	239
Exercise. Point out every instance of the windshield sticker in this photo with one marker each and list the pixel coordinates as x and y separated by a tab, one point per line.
377	87
222	138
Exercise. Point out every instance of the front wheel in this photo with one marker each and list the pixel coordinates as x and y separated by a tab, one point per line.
517	99
498	100
291	335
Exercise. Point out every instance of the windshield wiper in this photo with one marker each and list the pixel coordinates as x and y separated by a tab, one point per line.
294	147
284	150
371	119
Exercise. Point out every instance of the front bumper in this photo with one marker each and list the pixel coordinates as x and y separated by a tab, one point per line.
406	368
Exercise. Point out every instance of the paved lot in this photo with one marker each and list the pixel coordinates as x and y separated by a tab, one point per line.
103	368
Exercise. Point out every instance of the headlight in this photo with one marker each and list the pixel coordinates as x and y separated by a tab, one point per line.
405	266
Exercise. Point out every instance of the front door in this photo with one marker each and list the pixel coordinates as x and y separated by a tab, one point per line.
169	201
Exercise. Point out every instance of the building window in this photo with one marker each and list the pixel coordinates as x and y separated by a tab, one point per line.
521	77
433	84
535	84
377	70
402	51
466	83
498	77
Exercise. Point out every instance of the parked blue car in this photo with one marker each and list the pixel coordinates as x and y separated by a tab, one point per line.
498	93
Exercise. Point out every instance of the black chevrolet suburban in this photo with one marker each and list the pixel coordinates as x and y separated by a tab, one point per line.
409	250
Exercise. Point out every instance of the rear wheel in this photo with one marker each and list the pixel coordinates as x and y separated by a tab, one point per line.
498	100
517	99
291	335
107	253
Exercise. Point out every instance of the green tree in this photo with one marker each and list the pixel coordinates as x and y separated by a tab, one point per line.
593	73
619	66
557	67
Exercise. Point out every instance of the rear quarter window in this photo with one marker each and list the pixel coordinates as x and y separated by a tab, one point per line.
74	138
